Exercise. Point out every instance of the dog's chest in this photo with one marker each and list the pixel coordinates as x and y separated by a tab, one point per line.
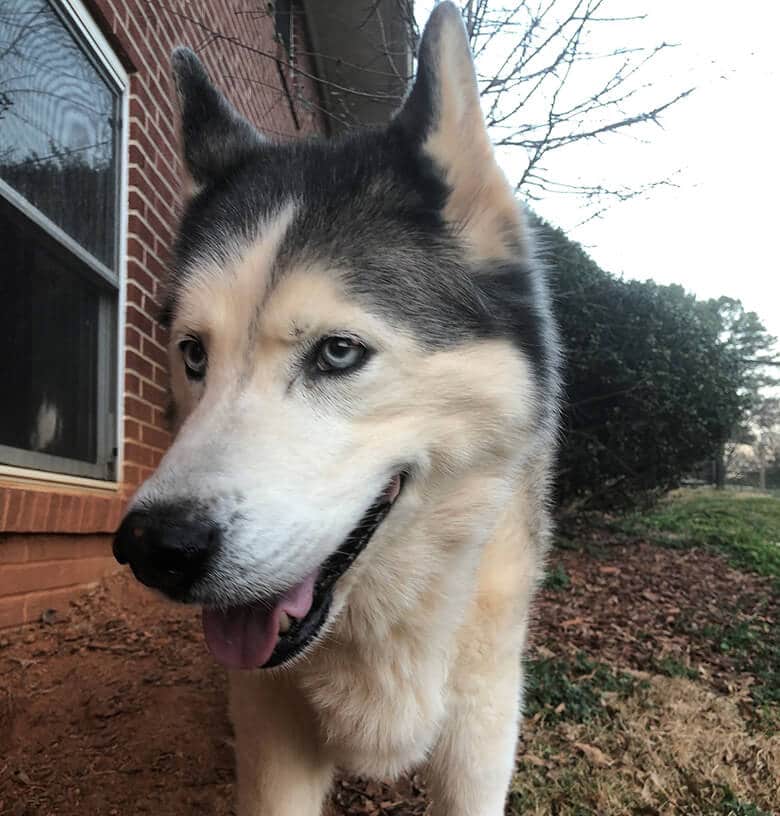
380	711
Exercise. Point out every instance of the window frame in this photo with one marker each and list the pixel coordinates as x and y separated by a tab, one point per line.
111	328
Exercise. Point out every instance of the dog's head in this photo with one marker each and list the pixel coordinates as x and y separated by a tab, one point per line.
355	329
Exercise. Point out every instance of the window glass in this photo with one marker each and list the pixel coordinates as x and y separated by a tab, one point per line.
60	157
58	119
49	320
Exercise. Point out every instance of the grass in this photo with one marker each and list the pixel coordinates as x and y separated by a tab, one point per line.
557	578
670	667
745	528
574	690
754	648
664	746
598	741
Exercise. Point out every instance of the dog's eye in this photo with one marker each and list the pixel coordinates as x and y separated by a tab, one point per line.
194	356
337	354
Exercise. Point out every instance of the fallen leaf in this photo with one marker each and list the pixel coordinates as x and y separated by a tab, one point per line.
595	755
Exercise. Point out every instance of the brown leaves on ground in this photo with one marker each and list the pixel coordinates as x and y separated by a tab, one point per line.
636	605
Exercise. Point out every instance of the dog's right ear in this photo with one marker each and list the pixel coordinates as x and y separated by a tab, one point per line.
214	137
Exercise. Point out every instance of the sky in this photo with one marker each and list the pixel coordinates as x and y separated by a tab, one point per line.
716	231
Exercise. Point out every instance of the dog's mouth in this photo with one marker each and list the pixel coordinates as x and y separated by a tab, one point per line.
271	633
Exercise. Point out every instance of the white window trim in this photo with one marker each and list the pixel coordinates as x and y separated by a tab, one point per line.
100	50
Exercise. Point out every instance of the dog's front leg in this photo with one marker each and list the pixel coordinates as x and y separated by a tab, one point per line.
281	766
472	763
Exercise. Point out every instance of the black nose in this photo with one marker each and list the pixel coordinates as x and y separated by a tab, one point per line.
167	547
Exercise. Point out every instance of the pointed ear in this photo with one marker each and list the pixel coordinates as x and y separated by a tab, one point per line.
442	115
214	137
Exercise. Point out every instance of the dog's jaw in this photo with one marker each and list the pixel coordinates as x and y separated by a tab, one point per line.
272	632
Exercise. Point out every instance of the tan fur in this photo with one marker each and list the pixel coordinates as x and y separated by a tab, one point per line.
385	688
481	204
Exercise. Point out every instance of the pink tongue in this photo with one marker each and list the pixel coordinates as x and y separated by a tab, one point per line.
244	637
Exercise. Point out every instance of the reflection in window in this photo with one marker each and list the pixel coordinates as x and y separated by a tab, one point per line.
58	120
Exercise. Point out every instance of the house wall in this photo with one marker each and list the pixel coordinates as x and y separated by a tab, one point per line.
55	533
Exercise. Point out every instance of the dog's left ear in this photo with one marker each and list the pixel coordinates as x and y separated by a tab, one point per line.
442	115
214	137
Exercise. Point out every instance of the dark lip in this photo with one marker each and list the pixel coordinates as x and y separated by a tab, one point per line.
303	632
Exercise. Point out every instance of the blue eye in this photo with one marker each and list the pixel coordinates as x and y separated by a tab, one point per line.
337	354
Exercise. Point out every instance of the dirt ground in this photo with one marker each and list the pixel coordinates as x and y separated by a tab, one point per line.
116	708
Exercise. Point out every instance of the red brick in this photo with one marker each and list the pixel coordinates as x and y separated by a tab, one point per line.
80	513
135	294
134	362
137	273
67	513
132	429
132	383
161	377
100	520
135	317
53	517
137	110
169	177
154	352
133	338
117	512
154	395
138	227
137	409
161	335
12	611
139	454
161	419
66	547
14	511
132	475
151	306
135	156
16	579
136	203
40	509
13	550
155	437
135	249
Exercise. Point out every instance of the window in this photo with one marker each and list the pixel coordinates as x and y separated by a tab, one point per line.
62	109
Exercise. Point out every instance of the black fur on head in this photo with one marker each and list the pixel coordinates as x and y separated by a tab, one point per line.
215	139
371	205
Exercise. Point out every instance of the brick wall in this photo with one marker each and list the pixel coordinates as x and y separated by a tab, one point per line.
55	540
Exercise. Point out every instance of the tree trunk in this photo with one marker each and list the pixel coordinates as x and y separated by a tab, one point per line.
720	467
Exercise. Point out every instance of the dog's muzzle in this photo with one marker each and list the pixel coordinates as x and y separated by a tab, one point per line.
171	548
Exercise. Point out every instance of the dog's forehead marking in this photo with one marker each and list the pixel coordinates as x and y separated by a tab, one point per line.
223	295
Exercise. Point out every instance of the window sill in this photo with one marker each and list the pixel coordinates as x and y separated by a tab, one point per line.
11	476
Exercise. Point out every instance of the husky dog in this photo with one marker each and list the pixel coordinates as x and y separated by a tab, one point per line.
364	379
